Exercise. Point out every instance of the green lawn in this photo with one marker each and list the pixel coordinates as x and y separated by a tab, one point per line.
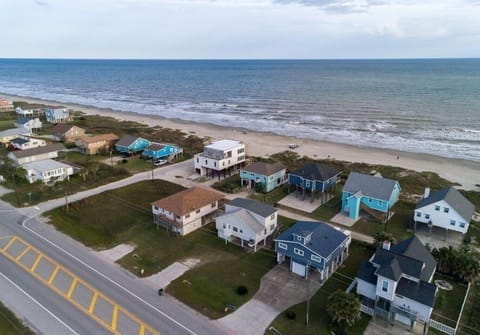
448	304
470	322
10	325
272	197
7	123
229	185
319	320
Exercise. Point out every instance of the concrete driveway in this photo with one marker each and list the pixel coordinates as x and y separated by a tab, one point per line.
279	290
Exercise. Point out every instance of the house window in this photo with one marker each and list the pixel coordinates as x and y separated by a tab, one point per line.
298	252
198	160
272	217
187	216
427	216
437	208
446	209
369	199
272	227
462	224
241	231
316	258
385	286
239	151
214	163
206	162
419	214
156	208
197	211
235	229
452	222
299	238
282	245
214	204
178	217
380	202
240	158
224	226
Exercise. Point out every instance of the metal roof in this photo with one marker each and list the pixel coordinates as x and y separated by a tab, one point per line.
454	198
265	169
253	206
370	186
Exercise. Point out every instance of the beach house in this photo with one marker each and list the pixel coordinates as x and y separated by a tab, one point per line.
186	211
7	135
446	208
157	151
313	178
220	157
47	171
264	177
36	154
30	110
130	145
313	246
29	124
247	221
67	132
373	194
6	106
91	145
25	142
57	114
396	283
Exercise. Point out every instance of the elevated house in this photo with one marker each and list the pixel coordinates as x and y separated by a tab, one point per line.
248	221
57	114
47	171
313	246
7	135
220	157
263	176
375	195
396	283
36	154
67	132
30	110
314	178
446	208
130	145
6	106
29	124
157	151
91	145
186	211
25	142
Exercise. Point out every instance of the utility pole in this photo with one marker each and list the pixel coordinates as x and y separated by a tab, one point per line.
308	293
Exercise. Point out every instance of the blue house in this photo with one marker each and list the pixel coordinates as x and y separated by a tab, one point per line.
375	195
57	114
129	144
157	151
266	176
313	246
314	177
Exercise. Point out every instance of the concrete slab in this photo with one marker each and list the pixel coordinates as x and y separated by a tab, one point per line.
380	327
294	200
167	275
343	220
117	252
437	238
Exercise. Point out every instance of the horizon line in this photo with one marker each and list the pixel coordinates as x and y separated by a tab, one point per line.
239	59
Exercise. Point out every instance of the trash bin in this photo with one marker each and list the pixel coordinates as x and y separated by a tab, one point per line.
160	291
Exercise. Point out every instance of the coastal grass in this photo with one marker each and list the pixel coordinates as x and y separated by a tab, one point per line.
10	324
319	321
271	197
230	184
449	303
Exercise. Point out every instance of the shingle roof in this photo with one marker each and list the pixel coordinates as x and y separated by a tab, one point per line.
370	186
14	131
62	128
245	217
454	198
415	249
19	141
366	271
155	147
38	151
325	239
99	138
392	265
422	291
266	169
316	171
126	140
187	201
253	206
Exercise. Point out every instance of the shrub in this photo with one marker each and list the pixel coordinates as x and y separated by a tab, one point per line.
242	290
291	315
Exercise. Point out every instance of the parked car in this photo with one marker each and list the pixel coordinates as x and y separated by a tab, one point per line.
159	162
293	146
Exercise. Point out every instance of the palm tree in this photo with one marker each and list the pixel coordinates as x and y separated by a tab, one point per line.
343	308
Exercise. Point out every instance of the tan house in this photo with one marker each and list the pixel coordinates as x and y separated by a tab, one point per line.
67	132
6	105
91	145
187	210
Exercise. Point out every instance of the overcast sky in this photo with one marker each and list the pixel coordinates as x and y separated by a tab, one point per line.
239	29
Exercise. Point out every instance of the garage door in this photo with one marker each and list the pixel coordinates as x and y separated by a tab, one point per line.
403	319
299	269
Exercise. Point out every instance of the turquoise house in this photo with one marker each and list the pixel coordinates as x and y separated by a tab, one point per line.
265	176
157	151
128	144
375	195
57	114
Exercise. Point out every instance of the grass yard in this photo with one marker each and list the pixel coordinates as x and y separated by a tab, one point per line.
6	123
319	321
470	322
448	304
10	324
229	185
272	197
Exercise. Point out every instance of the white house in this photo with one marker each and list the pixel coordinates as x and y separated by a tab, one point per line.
9	134
30	110
47	171
186	211
221	156
29	124
396	283
446	208
247	220
25	142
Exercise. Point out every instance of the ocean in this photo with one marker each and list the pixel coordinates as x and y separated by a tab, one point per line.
425	105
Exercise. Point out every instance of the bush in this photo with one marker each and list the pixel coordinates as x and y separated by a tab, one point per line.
124	161
291	315
242	290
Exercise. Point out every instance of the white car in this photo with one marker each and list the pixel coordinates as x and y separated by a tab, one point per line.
159	162
293	146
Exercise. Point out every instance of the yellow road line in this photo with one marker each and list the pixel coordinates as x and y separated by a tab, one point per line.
27	249
54	274
93	302
114	317
35	264
5	248
72	287
142	330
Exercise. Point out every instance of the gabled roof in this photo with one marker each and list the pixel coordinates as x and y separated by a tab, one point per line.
265	169
242	215
415	249
454	198
370	186
254	206
155	147
187	201
127	140
62	128
31	106
45	165
366	272
20	140
38	151
421	291
316	171
324	240
22	120
99	138
393	265
14	131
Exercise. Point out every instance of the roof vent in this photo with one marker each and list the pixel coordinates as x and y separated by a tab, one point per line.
386	245
426	194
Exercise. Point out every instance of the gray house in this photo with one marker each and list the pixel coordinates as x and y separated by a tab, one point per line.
36	154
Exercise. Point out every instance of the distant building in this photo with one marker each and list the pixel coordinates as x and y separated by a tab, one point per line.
6	106
91	145
47	171
220	156
446	208
186	211
29	124
314	178
265	176
57	114
36	154
157	151
25	142
30	110
7	135
67	132
375	195
129	144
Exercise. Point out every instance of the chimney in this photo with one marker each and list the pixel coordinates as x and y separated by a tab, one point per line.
426	194
386	245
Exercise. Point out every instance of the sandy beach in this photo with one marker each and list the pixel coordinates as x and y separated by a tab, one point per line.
464	172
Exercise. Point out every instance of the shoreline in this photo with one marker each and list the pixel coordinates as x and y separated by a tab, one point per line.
464	172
